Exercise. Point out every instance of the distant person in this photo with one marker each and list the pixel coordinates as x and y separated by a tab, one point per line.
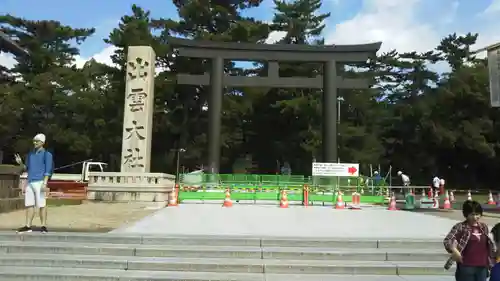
39	166
377	179
435	184
470	246
286	169
405	180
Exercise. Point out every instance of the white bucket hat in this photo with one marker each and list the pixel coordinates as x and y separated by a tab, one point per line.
40	137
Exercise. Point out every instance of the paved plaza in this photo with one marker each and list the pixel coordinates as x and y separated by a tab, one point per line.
296	221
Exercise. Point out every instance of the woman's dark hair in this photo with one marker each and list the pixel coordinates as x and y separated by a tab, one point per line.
471	207
496	233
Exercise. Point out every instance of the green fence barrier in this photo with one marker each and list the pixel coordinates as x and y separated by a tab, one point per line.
206	187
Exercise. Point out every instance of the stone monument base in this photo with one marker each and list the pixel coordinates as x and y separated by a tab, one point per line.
11	204
126	187
11	197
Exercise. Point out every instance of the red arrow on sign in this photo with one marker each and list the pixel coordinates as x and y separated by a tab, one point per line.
352	170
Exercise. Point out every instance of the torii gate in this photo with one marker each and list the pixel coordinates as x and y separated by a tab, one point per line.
329	81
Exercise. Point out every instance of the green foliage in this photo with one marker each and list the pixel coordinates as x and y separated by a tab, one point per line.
419	121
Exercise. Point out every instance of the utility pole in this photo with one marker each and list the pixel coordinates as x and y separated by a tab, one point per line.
339	100
179	151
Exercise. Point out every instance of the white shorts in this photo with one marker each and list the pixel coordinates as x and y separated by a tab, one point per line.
34	195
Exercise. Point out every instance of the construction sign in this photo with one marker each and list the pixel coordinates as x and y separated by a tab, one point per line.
335	169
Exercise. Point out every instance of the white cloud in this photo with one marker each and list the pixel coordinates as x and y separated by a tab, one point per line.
103	57
275	36
488	34
7	60
395	24
493	9
391	21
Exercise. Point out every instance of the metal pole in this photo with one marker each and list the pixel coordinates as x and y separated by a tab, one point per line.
178	164
179	151
338	125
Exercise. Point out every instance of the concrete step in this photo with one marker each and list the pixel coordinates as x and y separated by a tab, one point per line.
223	240
185	251
72	274
225	265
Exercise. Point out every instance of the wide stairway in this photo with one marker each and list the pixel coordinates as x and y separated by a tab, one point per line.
95	257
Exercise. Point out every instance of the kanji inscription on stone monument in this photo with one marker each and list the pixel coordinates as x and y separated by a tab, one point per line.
137	68
138	110
136	99
135	131
134	158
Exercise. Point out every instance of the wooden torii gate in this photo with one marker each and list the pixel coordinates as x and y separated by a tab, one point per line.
217	52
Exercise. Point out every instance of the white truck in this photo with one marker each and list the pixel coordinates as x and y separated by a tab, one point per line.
87	166
70	185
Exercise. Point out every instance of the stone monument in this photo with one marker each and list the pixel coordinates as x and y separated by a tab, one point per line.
135	182
138	111
493	52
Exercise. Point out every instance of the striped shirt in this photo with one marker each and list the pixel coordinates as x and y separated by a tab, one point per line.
461	233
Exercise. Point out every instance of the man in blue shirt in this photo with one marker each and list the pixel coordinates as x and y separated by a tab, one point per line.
377	179
39	166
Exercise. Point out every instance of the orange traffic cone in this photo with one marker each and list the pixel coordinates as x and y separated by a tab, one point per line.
452	196
430	194
392	203
469	196
446	203
356	201
284	200
490	199
173	199
227	200
340	202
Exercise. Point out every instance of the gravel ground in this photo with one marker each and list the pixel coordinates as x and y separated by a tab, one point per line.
489	218
491	213
89	216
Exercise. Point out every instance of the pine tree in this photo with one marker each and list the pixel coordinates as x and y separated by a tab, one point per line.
216	21
287	128
300	21
39	100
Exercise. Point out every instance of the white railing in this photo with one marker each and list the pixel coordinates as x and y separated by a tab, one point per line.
125	187
113	179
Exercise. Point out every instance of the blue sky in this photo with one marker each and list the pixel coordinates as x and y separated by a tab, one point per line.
405	25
